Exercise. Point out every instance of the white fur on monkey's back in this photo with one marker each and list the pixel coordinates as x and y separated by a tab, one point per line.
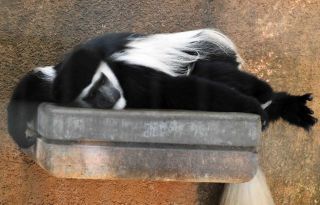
254	192
174	53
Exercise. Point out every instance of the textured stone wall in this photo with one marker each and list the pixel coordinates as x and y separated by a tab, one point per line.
279	41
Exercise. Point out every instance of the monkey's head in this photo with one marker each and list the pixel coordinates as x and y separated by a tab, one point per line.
84	79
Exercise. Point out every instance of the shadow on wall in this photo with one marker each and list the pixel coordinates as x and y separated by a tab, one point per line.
209	194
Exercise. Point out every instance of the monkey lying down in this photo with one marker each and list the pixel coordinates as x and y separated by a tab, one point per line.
193	70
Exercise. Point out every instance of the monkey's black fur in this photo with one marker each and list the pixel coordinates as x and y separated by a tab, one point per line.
214	84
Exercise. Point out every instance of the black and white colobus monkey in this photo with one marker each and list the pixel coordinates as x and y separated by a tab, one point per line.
193	70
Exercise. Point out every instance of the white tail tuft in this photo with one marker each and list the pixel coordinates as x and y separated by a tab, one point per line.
174	53
254	192
48	71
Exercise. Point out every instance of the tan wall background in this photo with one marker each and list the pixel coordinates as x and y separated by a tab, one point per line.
279	40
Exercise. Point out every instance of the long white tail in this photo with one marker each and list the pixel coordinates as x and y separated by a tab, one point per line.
254	192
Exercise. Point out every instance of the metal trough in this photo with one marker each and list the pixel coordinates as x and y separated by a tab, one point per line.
146	145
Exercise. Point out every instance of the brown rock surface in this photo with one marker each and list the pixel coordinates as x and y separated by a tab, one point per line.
279	40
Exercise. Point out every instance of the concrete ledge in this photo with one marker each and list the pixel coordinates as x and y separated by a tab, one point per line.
153	145
174	127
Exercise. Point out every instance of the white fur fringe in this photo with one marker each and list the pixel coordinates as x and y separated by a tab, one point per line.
173	53
254	192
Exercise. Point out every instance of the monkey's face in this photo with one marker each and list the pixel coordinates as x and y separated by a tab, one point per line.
103	94
86	80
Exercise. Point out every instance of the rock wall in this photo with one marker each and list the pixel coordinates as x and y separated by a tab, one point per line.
279	40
